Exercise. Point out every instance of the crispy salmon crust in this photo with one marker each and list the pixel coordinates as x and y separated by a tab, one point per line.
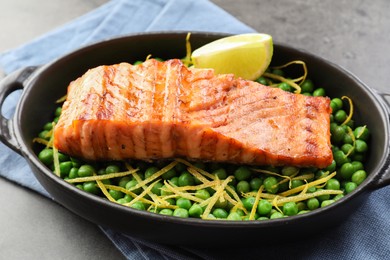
160	110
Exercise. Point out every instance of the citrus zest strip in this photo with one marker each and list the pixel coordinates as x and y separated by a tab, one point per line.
104	190
257	198
291	82
306	196
310	184
216	195
187	59
102	177
350	110
361	131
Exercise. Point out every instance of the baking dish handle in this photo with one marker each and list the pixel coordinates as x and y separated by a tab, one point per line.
9	84
385	177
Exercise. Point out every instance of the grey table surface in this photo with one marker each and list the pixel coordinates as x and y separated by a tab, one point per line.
354	34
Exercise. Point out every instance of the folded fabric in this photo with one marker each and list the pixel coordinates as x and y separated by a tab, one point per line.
364	235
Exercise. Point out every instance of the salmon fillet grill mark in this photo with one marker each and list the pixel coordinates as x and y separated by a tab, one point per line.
165	110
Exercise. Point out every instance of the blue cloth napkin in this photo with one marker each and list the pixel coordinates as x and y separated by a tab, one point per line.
364	235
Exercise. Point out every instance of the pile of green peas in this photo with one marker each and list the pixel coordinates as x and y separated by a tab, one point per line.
349	147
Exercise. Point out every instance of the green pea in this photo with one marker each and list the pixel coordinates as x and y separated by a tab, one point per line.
357	165
169	174
319	92
340	116
138	205
211	216
128	198
347	139
336	104
48	126
45	134
130	186
346	171
220	213
123	181
306	94
220	173
76	162
63	157
285	86
238	211
348	148
86	170
181	213
340	157
276	215
91	187
262	218
278	72
271	185
183	203
167	212
326	203
307	86
221	204
157	188
174	181
264	207
337	135
361	146
303	212
116	194
243	187
350	186
234	216
248	202
73	173
301	206
290	208
361	133
312	203
112	169
58	111
195	211
338	196
311	189
262	81
331	167
46	156
65	168
333	184
255	183
121	201
242	173
150	171
296	183
202	194
359	176
171	201
186	179
289	170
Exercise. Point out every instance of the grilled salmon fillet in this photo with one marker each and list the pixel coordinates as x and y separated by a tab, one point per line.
165	110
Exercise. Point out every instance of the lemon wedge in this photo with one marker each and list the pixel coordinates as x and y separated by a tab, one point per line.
244	55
